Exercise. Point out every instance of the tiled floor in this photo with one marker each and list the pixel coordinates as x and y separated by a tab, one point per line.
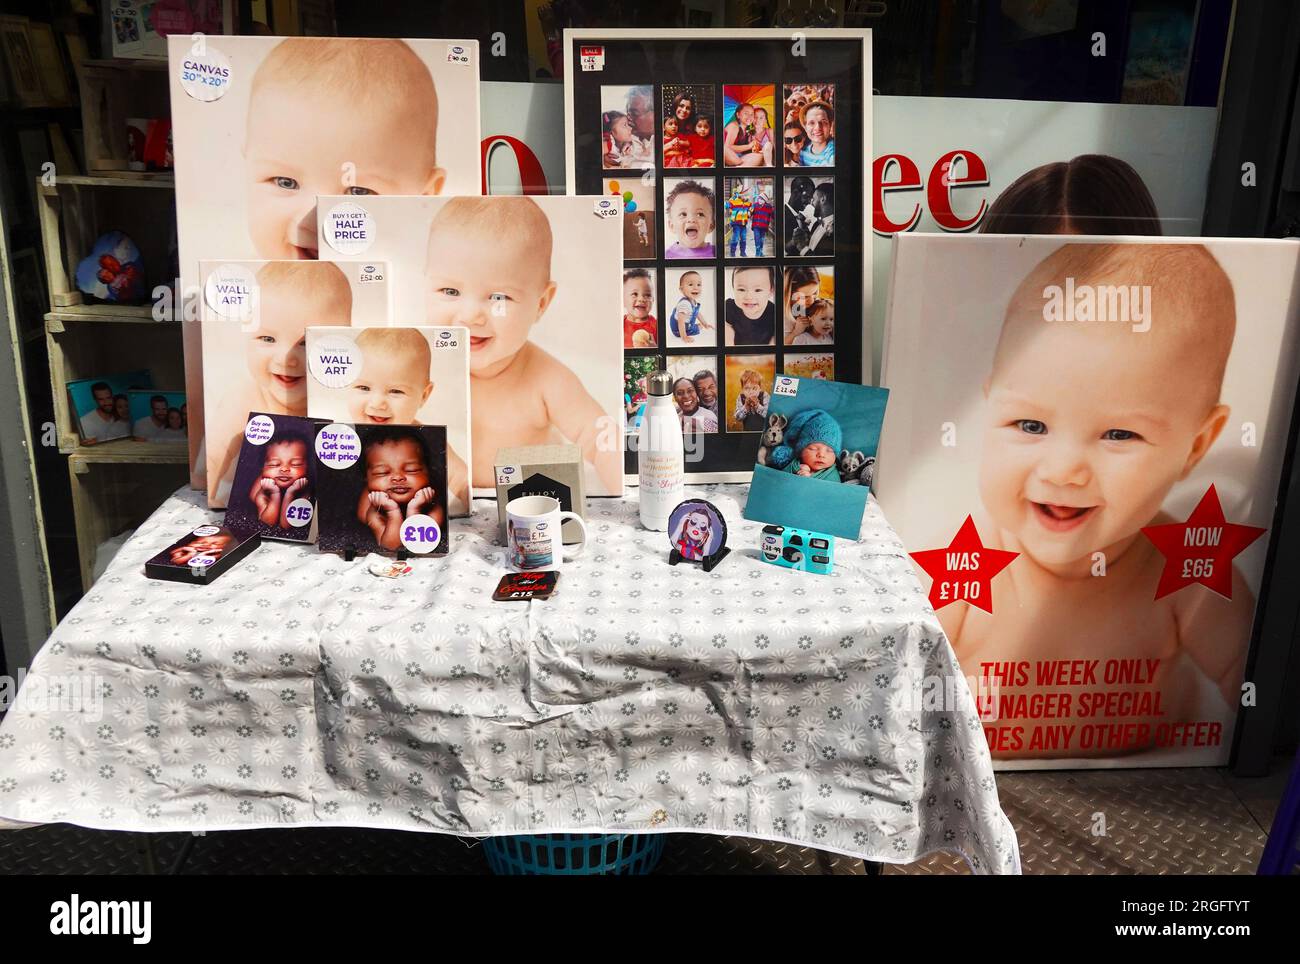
1190	821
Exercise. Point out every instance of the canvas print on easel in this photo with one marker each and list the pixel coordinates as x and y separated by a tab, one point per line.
736	157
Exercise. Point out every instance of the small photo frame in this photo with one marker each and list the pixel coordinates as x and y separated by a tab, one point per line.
749	314
808	290
690	316
627	127
275	488
640	321
695	392
689	217
696	531
383	489
688	129
639	233
749	125
749	391
809	109
748	212
158	416
809	216
101	407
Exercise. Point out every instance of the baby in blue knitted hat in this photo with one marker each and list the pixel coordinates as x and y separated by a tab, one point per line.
811	440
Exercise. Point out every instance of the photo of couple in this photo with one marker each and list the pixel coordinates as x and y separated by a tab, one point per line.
809	216
695	392
808	128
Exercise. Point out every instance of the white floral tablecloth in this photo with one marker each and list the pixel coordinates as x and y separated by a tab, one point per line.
300	690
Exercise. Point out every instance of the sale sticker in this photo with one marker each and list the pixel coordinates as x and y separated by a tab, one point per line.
259	429
349	228
592	58
206	531
338	446
964	571
421	534
1201	549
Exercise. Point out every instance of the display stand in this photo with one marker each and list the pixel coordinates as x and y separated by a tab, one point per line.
707	563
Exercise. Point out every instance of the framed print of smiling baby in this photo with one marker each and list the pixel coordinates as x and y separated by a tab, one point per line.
262	125
528	277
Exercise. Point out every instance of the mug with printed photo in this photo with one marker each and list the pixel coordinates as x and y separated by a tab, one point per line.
749	391
640	326
688	125
749	125
689	217
808	305
809	125
627	127
747	212
750	310
809	216
691	317
695	392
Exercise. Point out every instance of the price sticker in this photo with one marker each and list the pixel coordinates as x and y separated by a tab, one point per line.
299	513
592	58
421	534
786	385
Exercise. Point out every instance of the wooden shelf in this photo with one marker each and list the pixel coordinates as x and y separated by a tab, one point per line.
112	314
128	452
113	179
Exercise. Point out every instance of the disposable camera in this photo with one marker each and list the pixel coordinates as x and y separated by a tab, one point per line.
798	549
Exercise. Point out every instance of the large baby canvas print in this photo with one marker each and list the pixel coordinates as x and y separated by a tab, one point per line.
262	125
1086	490
528	277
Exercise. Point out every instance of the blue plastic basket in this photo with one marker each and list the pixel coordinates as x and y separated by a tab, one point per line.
574	854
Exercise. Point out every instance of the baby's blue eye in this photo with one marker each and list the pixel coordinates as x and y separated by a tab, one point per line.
396	391
449	292
363	388
269	339
356	191
1031	426
285	183
498	296
1119	435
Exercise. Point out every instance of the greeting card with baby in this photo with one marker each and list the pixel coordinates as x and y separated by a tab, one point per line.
1084	475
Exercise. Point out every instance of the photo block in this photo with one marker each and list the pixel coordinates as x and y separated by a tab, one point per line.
157	416
749	131
747	213
809	215
749	314
627	126
819	436
259	132
819	364
275	483
640	322
101	407
692	296
637	370
397	376
689	219
689	125
695	392
538	283
201	555
749	391
809	119
808	305
254	317
639	225
383	489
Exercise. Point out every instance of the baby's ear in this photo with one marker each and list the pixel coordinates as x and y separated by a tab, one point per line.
428	390
547	297
437	177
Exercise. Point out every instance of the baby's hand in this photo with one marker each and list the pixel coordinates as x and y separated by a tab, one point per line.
261	492
382	502
803	470
419	501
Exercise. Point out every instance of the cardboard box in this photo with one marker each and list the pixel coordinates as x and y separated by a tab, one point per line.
554	470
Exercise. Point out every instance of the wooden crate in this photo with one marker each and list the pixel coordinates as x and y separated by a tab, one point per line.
111	92
91	349
76	209
114	494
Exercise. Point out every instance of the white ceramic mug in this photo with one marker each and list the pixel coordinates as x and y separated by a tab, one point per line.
534	541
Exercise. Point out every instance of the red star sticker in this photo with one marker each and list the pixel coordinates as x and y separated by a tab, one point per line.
1200	549
964	571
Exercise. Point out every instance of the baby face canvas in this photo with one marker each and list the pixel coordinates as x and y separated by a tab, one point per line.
534	281
255	316
251	160
274	493
1107	400
397	376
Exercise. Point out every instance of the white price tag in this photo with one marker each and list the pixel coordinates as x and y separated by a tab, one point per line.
591	58
458	54
420	534
608	207
371	274
448	338
509	474
786	385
